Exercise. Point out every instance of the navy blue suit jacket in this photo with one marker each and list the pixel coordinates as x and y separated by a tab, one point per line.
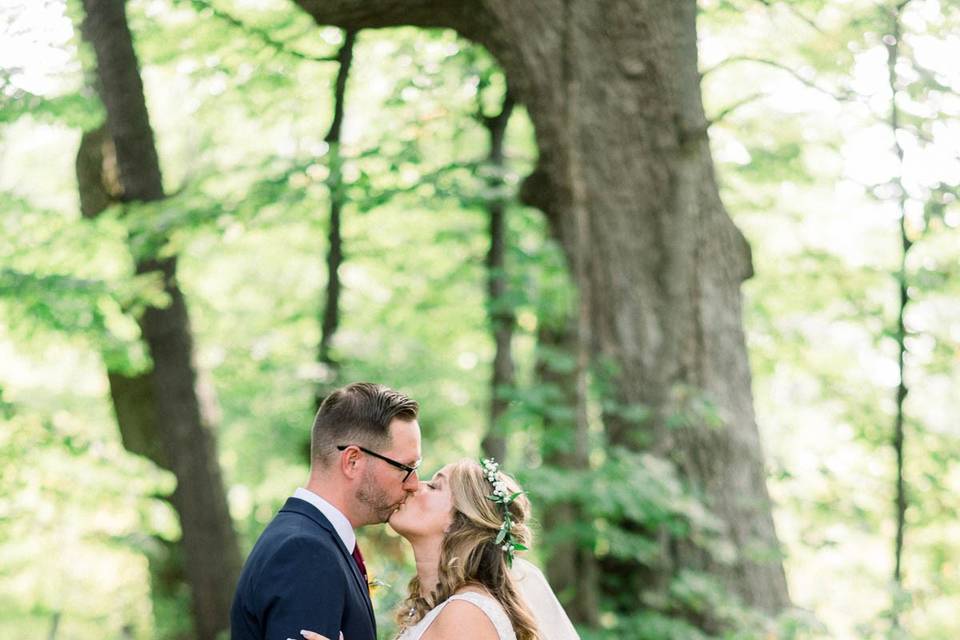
301	576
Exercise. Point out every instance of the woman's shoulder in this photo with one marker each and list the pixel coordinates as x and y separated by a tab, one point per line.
472	608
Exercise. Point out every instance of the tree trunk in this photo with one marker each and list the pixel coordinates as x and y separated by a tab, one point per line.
331	308
187	444
500	310
132	396
571	564
900	333
626	176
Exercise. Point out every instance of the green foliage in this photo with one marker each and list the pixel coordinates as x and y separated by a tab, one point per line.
70	518
240	99
76	110
820	311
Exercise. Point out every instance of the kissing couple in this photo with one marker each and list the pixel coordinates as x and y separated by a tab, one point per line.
306	576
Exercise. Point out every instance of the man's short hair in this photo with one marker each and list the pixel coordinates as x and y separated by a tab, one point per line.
359	413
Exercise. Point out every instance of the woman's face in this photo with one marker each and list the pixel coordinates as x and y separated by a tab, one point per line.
429	511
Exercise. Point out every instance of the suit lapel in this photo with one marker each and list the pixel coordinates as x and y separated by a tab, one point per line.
304	508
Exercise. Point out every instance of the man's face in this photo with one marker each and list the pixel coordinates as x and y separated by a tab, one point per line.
429	512
383	488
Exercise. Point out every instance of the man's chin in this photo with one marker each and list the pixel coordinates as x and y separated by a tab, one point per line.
387	515
396	524
392	518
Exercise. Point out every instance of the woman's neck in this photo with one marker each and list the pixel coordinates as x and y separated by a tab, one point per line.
426	553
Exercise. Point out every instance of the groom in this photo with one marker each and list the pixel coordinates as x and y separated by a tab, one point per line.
306	571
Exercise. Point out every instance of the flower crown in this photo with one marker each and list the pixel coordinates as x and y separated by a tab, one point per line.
504	539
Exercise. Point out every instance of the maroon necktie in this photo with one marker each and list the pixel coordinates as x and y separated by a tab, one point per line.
358	558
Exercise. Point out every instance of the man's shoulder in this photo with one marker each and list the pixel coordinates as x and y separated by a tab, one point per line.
290	529
291	534
291	550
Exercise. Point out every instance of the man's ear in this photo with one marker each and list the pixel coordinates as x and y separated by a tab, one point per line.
350	462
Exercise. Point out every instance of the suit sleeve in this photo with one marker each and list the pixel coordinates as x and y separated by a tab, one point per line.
307	591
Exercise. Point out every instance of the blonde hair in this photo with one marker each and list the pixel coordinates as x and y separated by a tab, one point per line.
469	554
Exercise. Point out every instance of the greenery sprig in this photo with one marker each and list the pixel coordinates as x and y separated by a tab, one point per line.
502	496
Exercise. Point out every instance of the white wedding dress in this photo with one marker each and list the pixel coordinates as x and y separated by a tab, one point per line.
552	620
486	604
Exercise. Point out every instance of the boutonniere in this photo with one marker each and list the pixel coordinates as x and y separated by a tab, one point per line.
374	585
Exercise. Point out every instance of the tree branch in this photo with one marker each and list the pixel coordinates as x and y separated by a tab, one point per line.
929	76
810	22
726	111
461	15
260	34
846	95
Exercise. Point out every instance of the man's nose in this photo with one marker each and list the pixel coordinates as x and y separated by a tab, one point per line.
412	483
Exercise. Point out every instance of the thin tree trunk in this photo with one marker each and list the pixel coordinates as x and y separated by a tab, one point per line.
211	552
331	307
54	625
893	56
571	563
500	310
98	185
132	396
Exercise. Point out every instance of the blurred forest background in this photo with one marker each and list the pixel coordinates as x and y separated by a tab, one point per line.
346	203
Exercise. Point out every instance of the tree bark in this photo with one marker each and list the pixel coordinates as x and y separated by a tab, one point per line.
626	177
187	444
98	185
331	307
500	310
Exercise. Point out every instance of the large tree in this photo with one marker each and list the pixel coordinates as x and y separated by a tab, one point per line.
626	177
160	412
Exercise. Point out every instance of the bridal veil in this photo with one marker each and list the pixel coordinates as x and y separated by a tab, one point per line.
551	619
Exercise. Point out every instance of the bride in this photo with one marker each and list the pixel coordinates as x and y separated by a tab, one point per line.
465	527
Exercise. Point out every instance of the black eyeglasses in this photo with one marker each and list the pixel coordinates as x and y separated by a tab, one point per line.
399	465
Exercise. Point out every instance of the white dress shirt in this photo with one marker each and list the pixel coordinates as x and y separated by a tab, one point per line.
335	516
